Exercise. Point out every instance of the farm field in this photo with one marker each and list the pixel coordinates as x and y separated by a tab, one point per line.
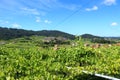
59	39
25	59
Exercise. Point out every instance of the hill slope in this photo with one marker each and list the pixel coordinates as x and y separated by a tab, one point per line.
10	33
89	36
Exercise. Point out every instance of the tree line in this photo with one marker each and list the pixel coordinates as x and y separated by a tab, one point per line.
11	33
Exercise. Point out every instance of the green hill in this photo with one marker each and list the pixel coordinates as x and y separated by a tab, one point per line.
89	36
11	33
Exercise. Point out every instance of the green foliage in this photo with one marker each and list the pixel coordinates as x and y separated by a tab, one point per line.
102	40
10	33
23	60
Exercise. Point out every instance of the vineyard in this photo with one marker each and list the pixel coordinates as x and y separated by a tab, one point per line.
28	61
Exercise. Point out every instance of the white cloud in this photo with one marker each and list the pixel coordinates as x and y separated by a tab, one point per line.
109	2
47	21
30	11
94	8
114	24
54	4
15	25
4	22
69	6
38	19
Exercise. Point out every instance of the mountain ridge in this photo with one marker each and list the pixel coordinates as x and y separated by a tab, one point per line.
10	33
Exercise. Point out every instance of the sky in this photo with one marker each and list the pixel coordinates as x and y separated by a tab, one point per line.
97	17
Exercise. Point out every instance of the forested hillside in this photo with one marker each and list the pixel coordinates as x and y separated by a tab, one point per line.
10	33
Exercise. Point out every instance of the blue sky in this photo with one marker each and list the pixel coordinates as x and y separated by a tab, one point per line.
97	17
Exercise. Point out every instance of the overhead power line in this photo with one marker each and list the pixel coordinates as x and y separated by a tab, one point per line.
66	18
